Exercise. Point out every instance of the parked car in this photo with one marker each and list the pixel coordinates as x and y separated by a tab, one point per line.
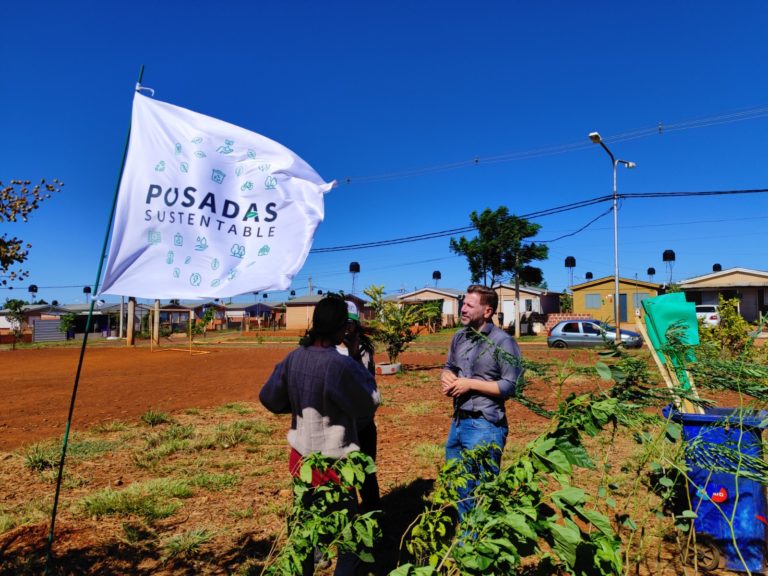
708	314
583	333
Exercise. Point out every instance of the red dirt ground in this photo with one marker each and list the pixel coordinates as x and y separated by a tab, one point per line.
118	383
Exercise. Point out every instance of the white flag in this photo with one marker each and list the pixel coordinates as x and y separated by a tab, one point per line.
207	209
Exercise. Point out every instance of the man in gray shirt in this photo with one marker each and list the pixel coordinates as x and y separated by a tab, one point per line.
478	382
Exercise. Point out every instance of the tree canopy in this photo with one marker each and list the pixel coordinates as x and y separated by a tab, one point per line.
17	201
499	248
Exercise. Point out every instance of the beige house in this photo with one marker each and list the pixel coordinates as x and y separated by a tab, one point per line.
449	298
595	298
749	286
299	311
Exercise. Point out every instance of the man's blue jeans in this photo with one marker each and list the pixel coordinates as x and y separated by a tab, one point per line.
469	433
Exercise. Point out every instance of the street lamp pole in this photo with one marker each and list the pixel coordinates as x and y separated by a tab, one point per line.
596	139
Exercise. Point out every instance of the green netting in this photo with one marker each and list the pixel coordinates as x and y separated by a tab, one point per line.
663	312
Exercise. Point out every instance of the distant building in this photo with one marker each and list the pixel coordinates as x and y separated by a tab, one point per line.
749	286
595	298
533	301
448	298
299	311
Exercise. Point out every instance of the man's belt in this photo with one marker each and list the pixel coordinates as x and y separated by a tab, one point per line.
464	414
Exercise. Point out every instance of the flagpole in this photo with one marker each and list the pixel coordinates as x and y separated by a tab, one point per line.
60	475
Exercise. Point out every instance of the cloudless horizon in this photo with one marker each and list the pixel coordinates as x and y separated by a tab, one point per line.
423	112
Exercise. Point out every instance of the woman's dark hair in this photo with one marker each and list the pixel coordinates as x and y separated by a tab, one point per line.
329	318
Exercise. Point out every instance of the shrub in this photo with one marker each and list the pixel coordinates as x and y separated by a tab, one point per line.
730	338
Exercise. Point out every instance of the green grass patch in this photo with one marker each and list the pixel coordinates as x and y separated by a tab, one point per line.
214	482
239	514
46	455
187	543
236	408
420	408
150	500
429	453
154	418
241	432
160	445
7	522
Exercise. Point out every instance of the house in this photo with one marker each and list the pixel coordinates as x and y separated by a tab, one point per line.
32	313
448	297
749	286
532	301
299	311
246	316
595	298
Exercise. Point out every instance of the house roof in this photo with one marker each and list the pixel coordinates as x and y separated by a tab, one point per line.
529	289
32	308
604	279
412	296
313	299
729	277
257	306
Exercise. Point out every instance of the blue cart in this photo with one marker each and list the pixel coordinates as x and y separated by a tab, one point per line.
728	439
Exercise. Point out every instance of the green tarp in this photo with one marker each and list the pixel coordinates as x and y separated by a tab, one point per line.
661	313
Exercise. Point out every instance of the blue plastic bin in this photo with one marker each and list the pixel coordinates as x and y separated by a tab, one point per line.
714	494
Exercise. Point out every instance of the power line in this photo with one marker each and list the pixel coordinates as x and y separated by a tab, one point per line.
533	215
657	130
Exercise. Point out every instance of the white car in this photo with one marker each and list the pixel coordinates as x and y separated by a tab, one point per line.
708	314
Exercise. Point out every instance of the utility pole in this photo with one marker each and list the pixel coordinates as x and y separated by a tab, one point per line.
310	285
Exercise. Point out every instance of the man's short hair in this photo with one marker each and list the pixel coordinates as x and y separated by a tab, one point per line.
488	296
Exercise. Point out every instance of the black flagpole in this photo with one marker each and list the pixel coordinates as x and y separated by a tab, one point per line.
49	550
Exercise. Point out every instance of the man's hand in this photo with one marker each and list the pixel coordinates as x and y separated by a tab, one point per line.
460	386
447	378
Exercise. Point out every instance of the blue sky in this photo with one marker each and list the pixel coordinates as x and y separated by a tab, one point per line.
368	89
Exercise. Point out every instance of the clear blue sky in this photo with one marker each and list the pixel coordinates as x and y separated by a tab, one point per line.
363	89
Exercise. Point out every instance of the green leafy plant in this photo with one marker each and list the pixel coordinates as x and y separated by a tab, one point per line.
198	326
320	519
392	322
731	337
431	315
516	517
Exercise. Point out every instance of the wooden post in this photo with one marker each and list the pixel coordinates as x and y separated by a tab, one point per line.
131	325
156	324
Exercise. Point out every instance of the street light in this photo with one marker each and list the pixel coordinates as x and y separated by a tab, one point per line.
596	139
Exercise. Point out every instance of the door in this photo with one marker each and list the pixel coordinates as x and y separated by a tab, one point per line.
508	309
623	307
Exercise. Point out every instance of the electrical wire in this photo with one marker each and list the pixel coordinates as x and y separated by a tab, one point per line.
657	130
532	215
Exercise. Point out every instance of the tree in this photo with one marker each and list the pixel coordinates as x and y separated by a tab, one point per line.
501	247
392	322
431	314
67	324
15	309
17	201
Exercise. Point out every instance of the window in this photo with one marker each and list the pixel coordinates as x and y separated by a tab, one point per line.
590	328
528	305
592	301
571	328
638	297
